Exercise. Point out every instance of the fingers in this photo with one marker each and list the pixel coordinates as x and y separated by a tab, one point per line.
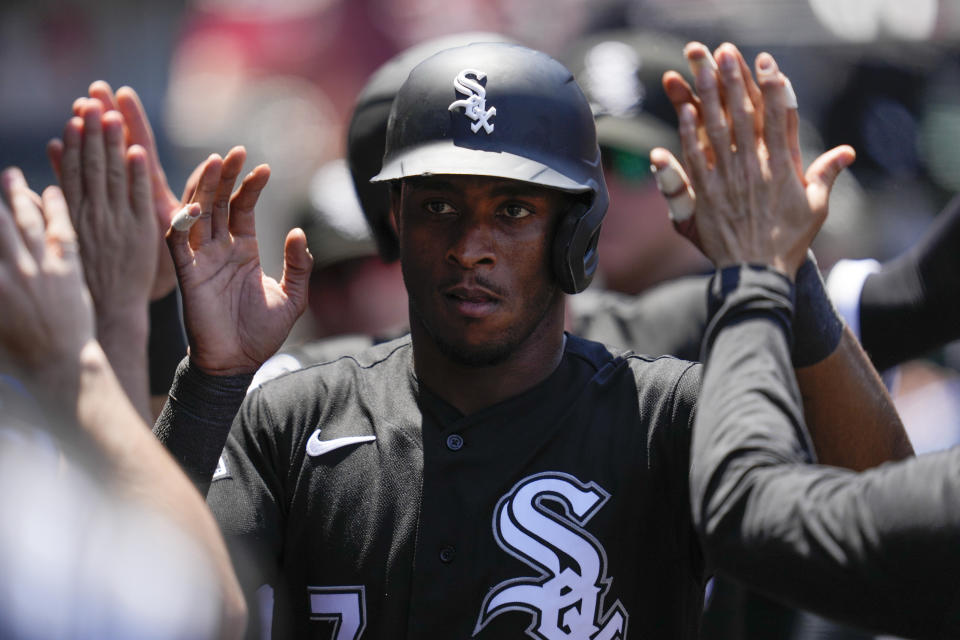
793	126
11	246
823	173
190	187
207	186
780	115
60	231
101	90
753	92
679	93
712	114
115	150
693	155
55	155
71	171
178	235
26	214
738	104
245	199
137	169
135	116
297	266
93	154
232	164
673	183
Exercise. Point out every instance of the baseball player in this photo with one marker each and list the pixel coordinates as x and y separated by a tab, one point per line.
488	475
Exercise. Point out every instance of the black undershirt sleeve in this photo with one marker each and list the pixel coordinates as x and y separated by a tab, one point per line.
167	344
196	419
912	305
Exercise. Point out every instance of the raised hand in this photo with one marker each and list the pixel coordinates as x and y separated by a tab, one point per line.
137	131
107	188
749	200
236	317
47	316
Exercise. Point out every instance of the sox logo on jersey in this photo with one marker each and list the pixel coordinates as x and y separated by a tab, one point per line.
565	601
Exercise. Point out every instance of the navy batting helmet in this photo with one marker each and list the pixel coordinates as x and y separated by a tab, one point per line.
505	111
367	133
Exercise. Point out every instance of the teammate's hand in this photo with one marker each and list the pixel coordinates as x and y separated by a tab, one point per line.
236	317
47	315
743	190
137	131
107	188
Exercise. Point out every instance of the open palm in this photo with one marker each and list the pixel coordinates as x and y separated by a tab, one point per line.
236	316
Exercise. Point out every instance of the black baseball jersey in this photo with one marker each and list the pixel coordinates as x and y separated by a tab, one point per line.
376	510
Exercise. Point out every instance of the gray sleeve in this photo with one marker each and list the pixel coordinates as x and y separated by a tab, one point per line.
878	549
196	419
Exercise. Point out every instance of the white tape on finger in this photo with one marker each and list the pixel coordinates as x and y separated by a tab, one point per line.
183	220
789	95
672	183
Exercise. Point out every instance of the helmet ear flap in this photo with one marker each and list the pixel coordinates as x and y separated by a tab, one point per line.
575	255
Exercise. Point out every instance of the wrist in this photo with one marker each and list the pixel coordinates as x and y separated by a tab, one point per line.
817	326
126	324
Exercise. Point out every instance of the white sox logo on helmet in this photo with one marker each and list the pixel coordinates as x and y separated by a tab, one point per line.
475	104
565	599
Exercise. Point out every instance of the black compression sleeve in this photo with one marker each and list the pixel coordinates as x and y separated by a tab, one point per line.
196	419
912	304
817	327
167	344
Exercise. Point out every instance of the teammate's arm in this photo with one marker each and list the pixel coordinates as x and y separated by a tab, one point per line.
876	548
47	332
849	413
911	304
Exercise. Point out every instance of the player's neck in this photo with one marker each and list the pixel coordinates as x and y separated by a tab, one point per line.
471	388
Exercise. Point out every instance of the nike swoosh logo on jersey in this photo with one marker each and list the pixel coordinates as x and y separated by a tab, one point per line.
318	447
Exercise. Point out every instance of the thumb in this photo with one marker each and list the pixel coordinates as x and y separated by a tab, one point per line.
297	265
823	172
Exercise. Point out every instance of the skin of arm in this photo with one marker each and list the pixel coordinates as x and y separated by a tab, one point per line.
48	333
849	413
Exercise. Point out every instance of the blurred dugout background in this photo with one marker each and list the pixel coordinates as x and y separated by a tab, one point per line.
280	77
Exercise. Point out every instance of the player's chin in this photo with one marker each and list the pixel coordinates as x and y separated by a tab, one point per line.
478	347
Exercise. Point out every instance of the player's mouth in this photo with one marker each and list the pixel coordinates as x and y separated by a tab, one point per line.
471	301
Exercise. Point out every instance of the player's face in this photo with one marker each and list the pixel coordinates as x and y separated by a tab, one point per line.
475	258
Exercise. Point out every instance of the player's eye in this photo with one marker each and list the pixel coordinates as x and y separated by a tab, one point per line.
438	207
516	211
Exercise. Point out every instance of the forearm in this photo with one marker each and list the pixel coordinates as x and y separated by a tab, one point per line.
851	418
910	305
196	419
143	470
123	337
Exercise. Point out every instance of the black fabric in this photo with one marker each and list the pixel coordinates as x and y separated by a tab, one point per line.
167	344
195	420
413	519
911	305
817	327
666	320
879	549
